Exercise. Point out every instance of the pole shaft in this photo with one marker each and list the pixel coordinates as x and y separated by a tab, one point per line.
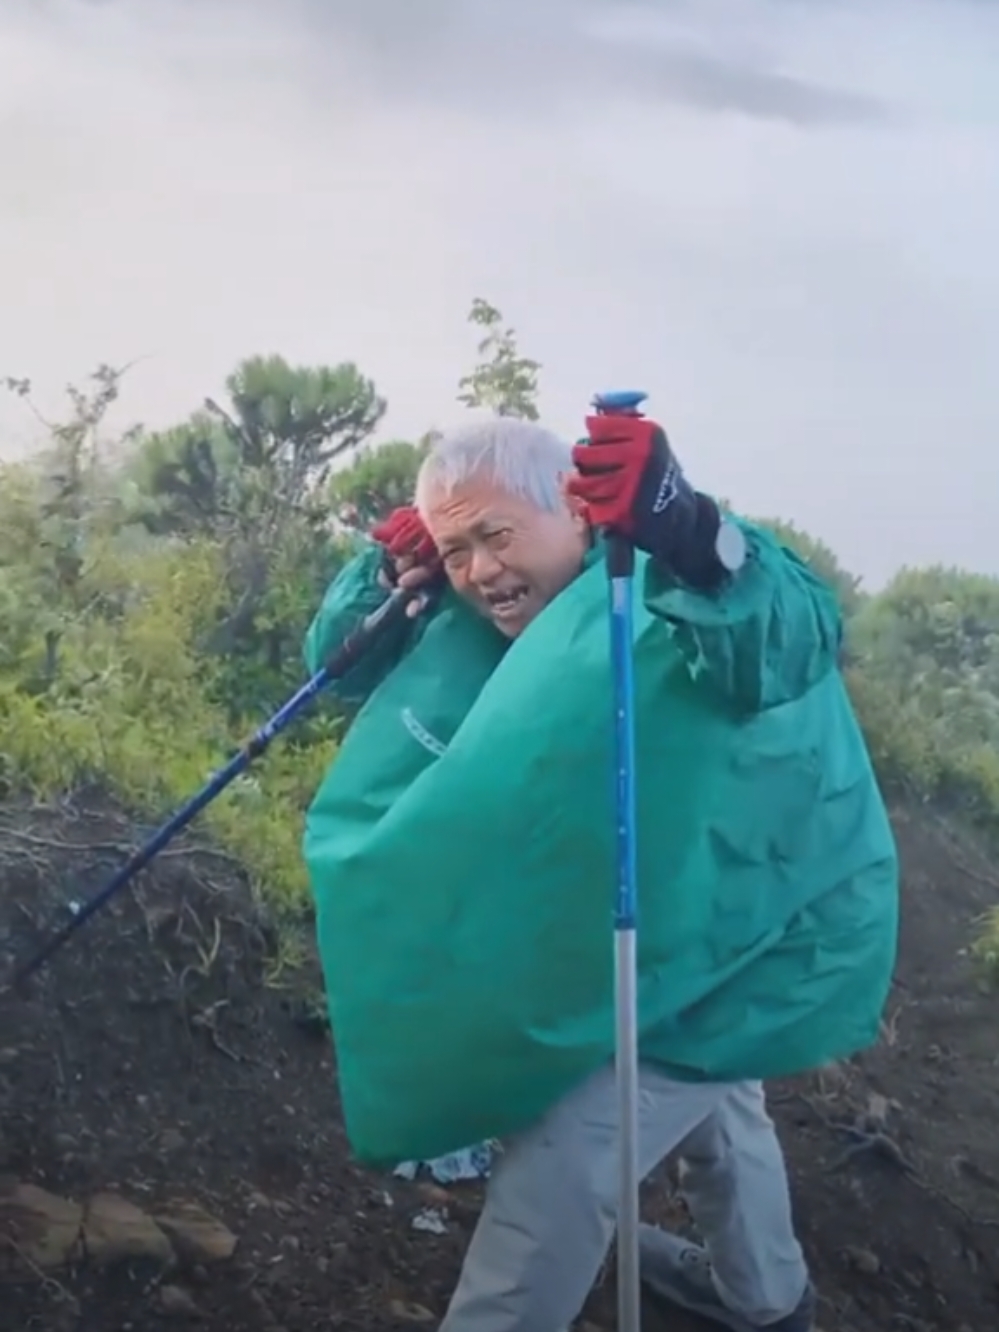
625	952
628	1276
342	660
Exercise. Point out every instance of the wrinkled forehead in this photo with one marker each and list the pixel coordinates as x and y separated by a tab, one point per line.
472	506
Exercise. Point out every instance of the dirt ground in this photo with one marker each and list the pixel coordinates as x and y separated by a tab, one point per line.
167	1058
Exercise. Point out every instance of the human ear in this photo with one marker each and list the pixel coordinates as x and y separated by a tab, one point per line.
575	506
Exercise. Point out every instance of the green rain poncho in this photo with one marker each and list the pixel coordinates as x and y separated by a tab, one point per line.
461	851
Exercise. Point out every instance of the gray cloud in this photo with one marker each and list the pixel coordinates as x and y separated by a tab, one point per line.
775	215
474	53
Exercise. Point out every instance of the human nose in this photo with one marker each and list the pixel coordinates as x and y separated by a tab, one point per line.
484	565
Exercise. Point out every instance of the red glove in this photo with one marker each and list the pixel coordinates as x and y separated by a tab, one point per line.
629	480
404	535
631	484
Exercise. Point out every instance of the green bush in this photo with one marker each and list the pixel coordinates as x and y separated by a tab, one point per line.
131	711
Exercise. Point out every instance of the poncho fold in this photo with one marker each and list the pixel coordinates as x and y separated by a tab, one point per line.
461	850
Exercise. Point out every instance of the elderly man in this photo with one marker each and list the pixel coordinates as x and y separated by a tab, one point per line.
461	857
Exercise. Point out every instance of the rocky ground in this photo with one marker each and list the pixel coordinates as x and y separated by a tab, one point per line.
171	1149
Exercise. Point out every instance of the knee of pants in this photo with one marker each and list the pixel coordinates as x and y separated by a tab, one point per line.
557	1188
739	1129
539	1245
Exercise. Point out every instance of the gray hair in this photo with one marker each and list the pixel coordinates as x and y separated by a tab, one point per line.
521	457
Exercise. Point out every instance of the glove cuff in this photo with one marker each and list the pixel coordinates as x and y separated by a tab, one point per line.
695	560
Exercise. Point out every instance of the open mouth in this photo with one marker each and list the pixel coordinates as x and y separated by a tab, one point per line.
507	601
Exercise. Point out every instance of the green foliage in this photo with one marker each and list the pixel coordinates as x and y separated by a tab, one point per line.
154	594
985	949
127	712
376	482
927	652
503	381
136	659
184	479
264	456
252	477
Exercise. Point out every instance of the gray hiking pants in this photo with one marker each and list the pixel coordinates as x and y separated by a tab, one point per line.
550	1209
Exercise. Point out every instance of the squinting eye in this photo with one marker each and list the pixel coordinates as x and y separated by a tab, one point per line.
454	559
498	539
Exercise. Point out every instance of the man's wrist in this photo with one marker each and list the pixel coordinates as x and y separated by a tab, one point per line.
711	551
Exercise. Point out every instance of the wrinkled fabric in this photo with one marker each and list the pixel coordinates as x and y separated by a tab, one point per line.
551	1207
462	860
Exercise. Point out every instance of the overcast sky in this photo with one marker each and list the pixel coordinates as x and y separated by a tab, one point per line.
779	217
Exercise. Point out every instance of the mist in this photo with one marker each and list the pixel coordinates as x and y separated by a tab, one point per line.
778	217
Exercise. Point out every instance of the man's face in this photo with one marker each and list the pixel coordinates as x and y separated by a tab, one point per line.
505	555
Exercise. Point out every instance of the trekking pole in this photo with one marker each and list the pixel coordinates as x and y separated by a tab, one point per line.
620	570
343	659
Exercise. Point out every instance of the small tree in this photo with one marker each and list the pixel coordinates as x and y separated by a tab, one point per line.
503	381
252	476
269	453
377	481
58	514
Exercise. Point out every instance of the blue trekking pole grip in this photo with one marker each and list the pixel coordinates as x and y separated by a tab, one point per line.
620	570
